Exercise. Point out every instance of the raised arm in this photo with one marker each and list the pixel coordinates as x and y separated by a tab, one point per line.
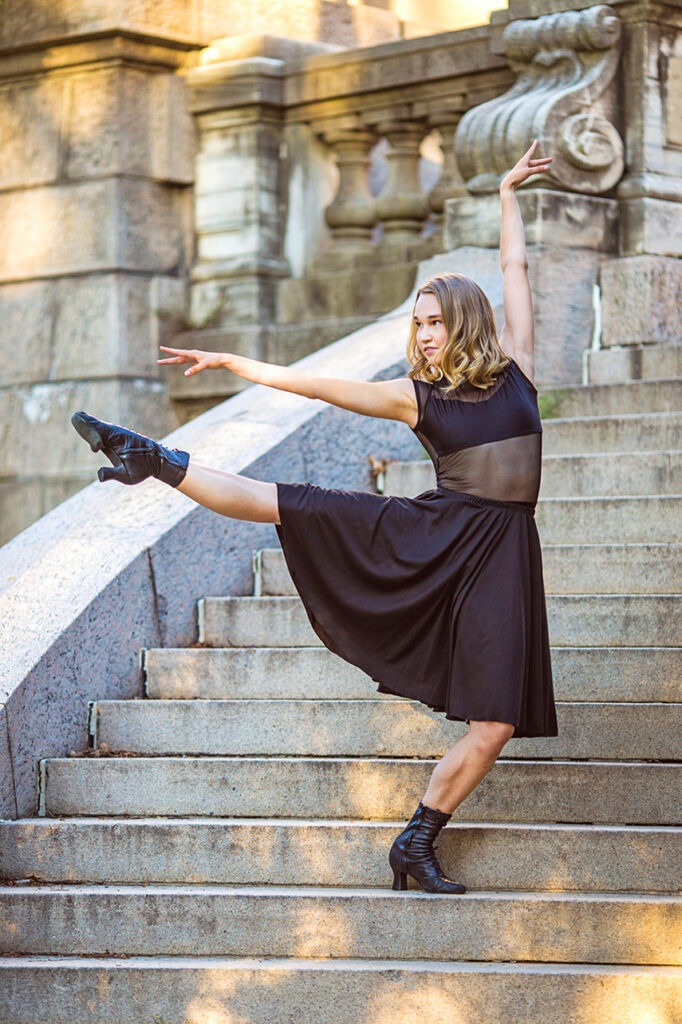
387	399
517	336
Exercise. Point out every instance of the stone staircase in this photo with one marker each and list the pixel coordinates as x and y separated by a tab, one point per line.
225	859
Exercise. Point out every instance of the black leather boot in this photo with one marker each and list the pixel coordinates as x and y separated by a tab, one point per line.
412	853
134	456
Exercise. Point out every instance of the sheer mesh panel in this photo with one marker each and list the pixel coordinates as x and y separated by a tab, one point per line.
506	470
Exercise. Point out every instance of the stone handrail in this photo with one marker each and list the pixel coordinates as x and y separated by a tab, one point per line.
116	569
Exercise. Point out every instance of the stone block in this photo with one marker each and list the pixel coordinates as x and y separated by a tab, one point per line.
26	331
327	296
96	225
130	121
652	226
37	22
341	24
31	115
90	326
641	299
550	218
250	340
562	283
24	501
228	299
36	434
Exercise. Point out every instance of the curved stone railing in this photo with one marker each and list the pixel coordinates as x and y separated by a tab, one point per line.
115	569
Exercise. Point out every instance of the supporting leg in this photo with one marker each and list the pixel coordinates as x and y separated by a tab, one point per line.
231	494
467	762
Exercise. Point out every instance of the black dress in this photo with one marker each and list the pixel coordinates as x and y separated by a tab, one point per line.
440	597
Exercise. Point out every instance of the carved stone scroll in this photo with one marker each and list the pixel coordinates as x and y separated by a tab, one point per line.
563	96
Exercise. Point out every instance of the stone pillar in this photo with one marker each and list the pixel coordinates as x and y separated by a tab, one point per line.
240	206
95	241
642	290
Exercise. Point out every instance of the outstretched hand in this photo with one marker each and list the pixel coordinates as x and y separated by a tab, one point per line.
525	168
202	360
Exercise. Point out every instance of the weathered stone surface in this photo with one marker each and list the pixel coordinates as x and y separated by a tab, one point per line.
561	219
335	991
31	116
90	326
22	501
331	295
632	362
36	429
90	226
650	226
129	121
8	804
641	300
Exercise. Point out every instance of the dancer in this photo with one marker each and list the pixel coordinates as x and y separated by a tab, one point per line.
438	598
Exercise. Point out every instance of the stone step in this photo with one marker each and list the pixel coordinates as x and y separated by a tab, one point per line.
270	851
611	398
624	432
369	728
647	620
212	920
221	990
579	673
633	363
596	792
568	476
567	569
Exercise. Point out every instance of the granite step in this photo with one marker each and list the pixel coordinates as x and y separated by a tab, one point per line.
272	851
318	922
204	990
647	620
579	673
370	728
592	792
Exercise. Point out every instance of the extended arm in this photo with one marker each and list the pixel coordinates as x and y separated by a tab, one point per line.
389	399
517	336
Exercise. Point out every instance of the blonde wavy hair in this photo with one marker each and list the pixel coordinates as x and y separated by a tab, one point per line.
472	351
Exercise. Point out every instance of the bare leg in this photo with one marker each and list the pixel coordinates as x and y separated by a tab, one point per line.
459	772
231	494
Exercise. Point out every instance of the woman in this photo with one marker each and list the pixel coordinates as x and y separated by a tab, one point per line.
439	598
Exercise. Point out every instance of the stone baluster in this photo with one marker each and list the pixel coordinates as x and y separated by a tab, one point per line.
450	184
402	206
352	213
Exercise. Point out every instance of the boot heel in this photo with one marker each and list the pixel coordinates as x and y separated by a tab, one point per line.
399	880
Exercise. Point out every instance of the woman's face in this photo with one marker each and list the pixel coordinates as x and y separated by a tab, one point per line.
431	333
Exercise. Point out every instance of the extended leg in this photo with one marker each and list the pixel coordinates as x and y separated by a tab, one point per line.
231	494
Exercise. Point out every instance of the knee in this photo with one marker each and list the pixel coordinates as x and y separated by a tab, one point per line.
491	737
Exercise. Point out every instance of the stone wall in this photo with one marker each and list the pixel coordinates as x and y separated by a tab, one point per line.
98	219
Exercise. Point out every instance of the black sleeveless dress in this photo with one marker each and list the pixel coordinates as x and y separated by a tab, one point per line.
439	598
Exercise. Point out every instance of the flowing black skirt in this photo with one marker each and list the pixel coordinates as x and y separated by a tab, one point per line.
439	598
